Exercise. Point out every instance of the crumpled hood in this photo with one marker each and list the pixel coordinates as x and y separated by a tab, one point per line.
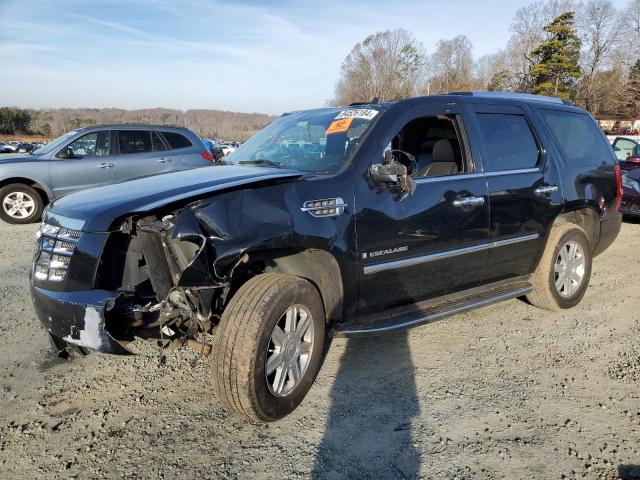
99	207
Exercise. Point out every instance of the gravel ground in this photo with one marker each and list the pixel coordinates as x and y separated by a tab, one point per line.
508	391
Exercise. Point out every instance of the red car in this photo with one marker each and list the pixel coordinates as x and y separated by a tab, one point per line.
631	193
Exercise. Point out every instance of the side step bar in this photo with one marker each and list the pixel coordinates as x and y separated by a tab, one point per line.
431	310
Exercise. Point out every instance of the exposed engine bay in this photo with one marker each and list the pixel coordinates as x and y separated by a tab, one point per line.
177	270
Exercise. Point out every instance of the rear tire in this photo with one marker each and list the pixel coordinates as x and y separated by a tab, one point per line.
253	337
563	274
20	204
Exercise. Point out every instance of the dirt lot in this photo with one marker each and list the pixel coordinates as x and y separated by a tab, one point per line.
508	391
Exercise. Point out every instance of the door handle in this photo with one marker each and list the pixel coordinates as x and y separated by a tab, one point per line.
545	190
164	160
468	202
104	165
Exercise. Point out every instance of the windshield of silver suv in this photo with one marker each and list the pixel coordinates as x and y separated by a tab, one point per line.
318	141
52	145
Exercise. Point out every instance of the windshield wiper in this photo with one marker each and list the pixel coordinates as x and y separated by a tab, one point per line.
263	162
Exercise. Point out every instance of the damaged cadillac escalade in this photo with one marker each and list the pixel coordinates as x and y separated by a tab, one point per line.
336	221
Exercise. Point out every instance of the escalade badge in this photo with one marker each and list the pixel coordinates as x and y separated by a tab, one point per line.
380	253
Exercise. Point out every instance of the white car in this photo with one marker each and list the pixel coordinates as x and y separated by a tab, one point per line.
227	149
9	147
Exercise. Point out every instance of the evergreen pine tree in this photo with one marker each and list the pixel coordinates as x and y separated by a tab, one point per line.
556	69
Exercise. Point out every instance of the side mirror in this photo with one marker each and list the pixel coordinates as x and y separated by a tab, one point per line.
66	153
385	173
394	175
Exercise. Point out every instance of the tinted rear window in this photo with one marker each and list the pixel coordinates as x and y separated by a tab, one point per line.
176	140
580	139
134	141
509	142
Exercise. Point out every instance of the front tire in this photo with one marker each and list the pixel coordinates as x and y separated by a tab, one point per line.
20	204
563	274
268	346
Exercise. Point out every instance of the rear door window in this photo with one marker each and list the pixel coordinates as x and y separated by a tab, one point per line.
158	144
176	140
134	141
509	142
579	137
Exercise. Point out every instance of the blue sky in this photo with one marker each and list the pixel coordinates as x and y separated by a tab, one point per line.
234	55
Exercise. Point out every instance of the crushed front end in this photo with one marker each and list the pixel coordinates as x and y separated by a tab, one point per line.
163	277
68	305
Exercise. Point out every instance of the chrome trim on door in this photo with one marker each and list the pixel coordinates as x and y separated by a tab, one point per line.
408	262
466	176
513	172
546	189
468	202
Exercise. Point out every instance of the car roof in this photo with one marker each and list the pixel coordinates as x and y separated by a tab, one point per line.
504	98
133	126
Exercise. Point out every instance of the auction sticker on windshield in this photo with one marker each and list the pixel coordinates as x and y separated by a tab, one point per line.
364	113
339	126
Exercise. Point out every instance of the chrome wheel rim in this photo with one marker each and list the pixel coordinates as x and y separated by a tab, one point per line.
289	351
569	269
18	205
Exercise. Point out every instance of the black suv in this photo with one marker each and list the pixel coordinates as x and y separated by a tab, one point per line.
336	221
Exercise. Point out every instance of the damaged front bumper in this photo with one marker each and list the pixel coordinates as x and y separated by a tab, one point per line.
78	318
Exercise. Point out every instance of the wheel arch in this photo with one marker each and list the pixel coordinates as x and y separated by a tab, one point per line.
37	186
320	268
586	218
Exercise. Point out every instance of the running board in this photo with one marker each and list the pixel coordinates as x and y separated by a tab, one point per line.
431	310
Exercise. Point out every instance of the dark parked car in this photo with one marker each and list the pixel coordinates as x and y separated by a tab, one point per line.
631	193
337	221
90	157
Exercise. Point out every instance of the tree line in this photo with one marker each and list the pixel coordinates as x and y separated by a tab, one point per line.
585	51
215	124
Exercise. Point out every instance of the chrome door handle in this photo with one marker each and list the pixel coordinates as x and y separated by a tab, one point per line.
545	190
105	165
163	160
468	202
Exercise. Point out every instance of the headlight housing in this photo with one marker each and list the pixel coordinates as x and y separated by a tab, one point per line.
55	247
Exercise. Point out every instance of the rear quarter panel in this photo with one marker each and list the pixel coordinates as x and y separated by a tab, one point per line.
590	184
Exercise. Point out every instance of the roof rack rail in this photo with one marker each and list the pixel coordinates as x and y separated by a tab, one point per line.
515	96
374	101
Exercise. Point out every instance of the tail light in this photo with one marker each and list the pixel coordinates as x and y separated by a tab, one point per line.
635	160
618	187
207	156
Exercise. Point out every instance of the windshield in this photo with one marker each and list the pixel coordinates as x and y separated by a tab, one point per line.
53	144
318	141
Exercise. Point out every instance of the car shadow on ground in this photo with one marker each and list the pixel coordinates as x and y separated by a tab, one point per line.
629	472
373	402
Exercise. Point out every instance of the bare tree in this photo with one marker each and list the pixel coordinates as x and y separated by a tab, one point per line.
601	28
451	65
488	67
387	65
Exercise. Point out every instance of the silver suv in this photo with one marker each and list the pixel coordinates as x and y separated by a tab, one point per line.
90	157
